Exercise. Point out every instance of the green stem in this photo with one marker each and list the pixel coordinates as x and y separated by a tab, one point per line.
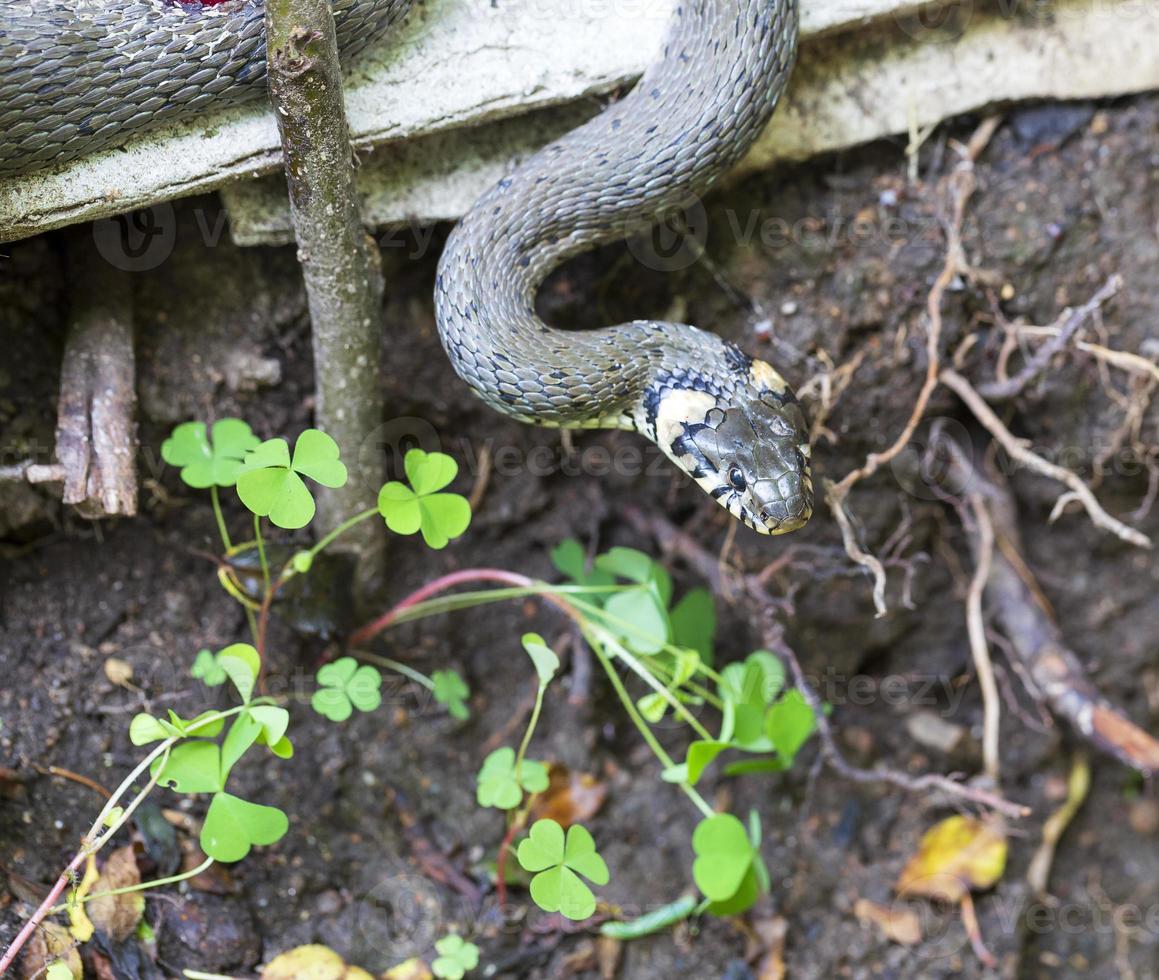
171	880
343	528
216	499
530	730
398	668
253	622
262	553
641	725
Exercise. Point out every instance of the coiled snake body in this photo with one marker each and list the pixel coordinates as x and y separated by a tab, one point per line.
77	75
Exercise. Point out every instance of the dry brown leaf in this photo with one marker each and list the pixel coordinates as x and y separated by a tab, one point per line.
120	672
48	944
609	952
958	855
897	924
412	969
117	915
571	797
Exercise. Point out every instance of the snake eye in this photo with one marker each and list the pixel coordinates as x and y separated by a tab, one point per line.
736	478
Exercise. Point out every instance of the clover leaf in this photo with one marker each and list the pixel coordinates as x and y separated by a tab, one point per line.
456	957
271	483
450	689
747	690
788	725
496	784
232	826
205	463
728	868
545	659
421	507
207	670
557	863
241	663
346	686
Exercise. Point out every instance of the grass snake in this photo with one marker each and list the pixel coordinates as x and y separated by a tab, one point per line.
78	76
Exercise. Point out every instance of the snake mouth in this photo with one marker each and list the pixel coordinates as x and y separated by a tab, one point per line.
788	506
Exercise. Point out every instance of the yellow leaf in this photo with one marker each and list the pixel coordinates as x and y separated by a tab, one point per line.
80	925
956	856
312	962
51	944
412	969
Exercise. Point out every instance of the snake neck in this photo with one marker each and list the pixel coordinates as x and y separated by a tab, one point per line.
692	116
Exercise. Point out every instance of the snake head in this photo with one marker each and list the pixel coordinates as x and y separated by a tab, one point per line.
748	448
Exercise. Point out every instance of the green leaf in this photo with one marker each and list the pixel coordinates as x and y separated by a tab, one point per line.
789	724
652	706
202	464
302	562
207	670
440	516
693	621
700	756
242	664
192	767
316	456
144	728
747	689
558	863
639	619
58	970
271	484
496	784
545	659
345	685
569	559
724	856
456	957
232	826
283	748
450	689
242	734
273	720
428	472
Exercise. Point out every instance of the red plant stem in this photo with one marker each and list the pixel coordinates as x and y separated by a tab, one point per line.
501	864
38	916
365	634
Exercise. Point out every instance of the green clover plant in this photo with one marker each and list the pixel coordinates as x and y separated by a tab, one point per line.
559	864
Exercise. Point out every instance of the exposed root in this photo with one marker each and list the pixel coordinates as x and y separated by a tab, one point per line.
1018	451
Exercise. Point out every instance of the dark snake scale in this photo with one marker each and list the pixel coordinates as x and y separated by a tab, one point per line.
78	76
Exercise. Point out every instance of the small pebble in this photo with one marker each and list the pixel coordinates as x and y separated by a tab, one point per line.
789	307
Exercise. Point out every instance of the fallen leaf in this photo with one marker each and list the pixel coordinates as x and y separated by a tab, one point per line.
49	944
412	969
570	797
80	925
958	855
120	672
770	933
897	924
312	962
117	915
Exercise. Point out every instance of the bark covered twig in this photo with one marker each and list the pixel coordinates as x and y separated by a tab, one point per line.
96	428
339	262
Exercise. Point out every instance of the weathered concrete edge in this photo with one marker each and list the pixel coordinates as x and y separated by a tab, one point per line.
457	63
847	91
